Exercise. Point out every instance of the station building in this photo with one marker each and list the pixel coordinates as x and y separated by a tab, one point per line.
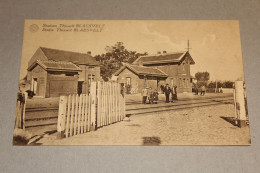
159	69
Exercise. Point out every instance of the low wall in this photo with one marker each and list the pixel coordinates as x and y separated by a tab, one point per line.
227	90
224	90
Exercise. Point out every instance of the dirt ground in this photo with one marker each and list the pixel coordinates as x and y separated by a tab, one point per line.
196	126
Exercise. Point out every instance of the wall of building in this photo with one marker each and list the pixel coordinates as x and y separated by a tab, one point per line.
135	81
38	55
40	75
178	74
151	82
138	82
88	71
61	83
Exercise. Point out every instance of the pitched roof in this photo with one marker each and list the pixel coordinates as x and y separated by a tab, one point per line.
163	58
74	57
50	65
142	70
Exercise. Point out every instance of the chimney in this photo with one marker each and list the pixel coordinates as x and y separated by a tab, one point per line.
158	52
164	51
89	52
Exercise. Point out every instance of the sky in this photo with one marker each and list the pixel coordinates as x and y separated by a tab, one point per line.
215	44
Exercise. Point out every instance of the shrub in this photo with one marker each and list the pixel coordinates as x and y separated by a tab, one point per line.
21	137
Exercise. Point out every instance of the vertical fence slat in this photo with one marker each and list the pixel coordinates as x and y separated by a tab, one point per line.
105	98
119	95
116	101
117	106
68	117
86	113
83	114
113	102
103	104
72	115
109	103
89	111
98	104
76	114
115	117
93	92
79	113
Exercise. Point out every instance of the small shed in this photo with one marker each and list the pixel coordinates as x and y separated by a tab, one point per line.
52	79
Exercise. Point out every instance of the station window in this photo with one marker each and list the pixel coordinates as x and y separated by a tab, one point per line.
181	83
128	81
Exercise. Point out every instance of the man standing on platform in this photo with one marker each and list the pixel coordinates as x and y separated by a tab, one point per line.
203	90
167	92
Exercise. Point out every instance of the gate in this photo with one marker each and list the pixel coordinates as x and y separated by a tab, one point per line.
79	114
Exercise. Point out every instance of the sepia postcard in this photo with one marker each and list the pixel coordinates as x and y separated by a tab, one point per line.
131	82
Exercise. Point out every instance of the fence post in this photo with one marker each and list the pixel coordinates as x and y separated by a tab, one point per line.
240	103
24	107
61	117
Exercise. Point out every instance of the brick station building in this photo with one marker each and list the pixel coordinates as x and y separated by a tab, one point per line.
139	77
169	68
53	72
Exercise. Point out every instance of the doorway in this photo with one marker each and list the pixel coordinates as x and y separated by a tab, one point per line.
80	84
35	86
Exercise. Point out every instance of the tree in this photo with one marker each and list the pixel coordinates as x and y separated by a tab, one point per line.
228	84
114	58
212	84
202	78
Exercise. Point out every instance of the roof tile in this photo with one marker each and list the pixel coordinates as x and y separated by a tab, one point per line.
74	57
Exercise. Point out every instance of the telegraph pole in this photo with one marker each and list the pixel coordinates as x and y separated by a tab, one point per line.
188	48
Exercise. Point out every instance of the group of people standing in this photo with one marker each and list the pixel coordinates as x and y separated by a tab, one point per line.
170	91
152	96
202	90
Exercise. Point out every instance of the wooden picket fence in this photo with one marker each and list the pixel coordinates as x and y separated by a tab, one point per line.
79	114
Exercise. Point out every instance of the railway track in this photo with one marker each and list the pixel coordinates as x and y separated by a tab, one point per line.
183	99
183	104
